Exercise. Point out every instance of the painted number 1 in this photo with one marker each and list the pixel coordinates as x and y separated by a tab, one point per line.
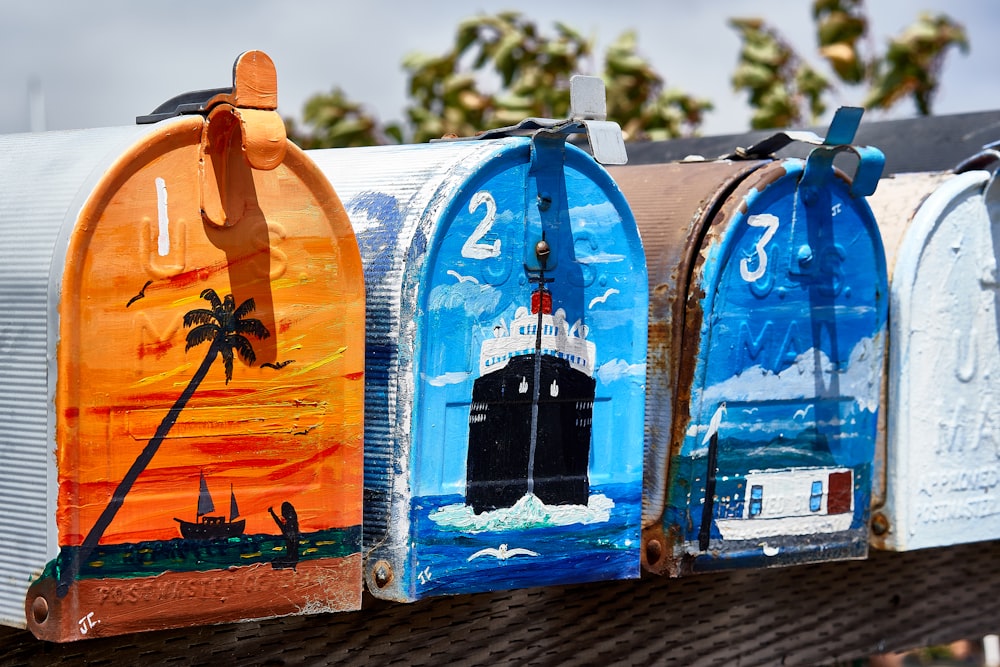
472	248
770	225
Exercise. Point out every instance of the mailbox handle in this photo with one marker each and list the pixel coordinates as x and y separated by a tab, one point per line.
245	112
819	165
255	85
987	159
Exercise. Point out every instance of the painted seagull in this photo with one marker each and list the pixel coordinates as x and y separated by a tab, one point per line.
503	553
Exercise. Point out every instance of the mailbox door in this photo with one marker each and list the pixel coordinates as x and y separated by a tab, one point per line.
788	297
208	394
672	203
943	437
527	454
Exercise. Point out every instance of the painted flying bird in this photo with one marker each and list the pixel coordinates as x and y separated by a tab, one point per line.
278	366
503	553
140	295
463	279
603	299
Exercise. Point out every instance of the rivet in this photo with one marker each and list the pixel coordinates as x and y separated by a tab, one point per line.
654	552
880	524
805	254
40	609
382	573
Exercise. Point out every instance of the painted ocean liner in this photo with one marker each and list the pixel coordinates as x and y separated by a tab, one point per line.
530	418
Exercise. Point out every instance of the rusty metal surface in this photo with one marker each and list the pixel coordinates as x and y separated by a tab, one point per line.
808	615
672	204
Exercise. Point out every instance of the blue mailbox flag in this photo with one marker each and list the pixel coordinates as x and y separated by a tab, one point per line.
507	312
775	466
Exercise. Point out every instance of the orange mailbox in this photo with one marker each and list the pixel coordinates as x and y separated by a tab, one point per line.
182	347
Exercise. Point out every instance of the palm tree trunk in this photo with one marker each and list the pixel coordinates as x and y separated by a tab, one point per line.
80	555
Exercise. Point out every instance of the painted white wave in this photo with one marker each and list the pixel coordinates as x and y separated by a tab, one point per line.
528	512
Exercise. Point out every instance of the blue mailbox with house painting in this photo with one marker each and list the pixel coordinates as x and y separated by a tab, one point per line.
767	326
506	346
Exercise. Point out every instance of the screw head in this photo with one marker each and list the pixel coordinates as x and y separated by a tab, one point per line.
542	251
544	201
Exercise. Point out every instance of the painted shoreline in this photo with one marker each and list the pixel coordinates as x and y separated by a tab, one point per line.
106	607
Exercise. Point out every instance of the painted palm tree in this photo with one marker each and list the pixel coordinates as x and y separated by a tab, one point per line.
226	327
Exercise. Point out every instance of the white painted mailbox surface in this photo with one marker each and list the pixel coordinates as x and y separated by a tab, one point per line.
942	471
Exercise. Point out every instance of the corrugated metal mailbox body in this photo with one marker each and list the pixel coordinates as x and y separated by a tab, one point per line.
182	354
505	389
941	476
767	322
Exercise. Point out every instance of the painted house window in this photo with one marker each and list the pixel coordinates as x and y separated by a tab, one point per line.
756	499
816	496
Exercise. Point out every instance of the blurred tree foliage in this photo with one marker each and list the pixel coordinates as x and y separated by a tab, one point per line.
786	90
451	93
502	68
336	122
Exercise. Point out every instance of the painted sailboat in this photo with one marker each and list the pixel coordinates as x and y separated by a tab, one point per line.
531	413
212	527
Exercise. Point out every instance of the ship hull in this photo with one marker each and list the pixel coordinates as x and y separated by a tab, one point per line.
497	469
211	531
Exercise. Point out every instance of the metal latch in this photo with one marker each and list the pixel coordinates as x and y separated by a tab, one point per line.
819	163
588	113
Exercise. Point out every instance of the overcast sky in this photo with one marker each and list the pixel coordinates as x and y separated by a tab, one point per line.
103	62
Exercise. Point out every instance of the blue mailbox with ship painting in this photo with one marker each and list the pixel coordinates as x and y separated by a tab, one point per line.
767	327
506	349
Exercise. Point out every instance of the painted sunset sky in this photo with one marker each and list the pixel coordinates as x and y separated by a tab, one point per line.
291	433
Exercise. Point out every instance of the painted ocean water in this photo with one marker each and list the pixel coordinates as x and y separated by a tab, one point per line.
530	544
150	558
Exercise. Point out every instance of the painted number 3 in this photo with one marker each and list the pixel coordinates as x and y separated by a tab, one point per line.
770	225
472	248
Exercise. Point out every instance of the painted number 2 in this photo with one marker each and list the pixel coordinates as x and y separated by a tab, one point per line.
770	225
472	248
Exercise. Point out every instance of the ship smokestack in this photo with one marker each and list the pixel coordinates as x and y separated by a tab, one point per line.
541	298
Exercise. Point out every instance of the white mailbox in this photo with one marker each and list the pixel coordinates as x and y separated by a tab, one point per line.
941	477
